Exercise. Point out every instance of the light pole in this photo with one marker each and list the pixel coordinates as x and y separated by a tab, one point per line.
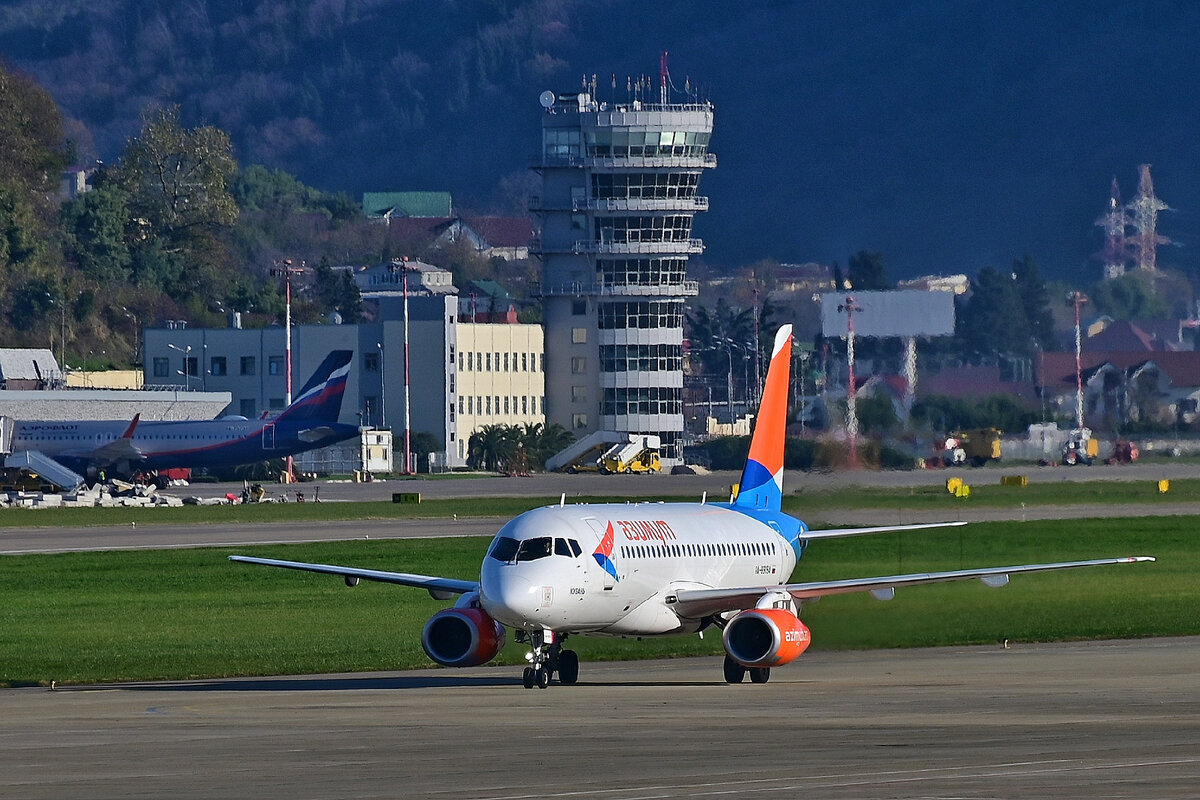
382	382
287	270
137	332
1077	299
185	372
849	307
404	268
803	408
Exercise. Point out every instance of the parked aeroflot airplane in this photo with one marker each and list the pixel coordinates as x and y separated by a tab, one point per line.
654	569
128	447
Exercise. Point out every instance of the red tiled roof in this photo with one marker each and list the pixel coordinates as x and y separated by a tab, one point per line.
970	382
1057	370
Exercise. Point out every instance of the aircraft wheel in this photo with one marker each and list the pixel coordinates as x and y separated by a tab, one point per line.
760	674
571	470
541	676
734	672
527	678
568	667
628	470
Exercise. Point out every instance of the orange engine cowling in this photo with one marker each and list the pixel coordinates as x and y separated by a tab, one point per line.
765	637
462	637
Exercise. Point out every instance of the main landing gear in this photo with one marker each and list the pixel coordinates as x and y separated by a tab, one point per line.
547	657
736	673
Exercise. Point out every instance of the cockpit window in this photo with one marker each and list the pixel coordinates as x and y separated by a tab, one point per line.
561	548
575	548
532	549
504	549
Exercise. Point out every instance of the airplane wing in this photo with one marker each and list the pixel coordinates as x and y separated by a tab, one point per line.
120	449
697	603
440	588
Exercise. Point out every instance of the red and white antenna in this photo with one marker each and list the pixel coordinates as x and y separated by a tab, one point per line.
1116	246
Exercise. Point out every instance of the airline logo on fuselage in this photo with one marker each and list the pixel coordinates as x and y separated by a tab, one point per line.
604	551
645	530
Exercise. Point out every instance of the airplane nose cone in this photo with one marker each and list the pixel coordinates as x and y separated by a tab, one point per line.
510	598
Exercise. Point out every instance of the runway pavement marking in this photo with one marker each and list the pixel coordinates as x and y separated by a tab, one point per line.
711	788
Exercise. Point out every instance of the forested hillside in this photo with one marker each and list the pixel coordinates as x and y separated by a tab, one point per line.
946	136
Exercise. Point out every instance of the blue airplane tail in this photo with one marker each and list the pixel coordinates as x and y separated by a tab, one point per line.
321	398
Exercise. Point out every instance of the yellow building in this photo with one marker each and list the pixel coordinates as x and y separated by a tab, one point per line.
501	377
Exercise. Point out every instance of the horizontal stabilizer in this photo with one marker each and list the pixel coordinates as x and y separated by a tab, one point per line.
838	533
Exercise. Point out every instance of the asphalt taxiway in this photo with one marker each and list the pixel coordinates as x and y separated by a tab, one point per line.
1117	719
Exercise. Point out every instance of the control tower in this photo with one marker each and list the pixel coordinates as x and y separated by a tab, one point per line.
619	192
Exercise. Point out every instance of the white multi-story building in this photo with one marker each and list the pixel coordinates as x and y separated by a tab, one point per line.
619	192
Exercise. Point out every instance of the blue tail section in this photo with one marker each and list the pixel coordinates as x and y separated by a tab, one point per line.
321	398
761	486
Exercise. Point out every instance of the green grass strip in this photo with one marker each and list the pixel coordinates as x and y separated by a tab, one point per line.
143	615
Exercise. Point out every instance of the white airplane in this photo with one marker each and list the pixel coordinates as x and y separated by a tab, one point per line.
654	569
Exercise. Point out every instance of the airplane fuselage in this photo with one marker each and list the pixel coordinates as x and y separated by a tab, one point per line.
173	444
542	570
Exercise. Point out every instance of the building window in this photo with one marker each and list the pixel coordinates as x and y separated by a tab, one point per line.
470	361
470	404
247	365
216	365
524	362
578	394
578	308
578	365
497	361
579	421
488	361
506	362
538	358
462	404
275	365
162	367
506	404
249	408
525	404
579	335
489	405
191	366
275	404
370	362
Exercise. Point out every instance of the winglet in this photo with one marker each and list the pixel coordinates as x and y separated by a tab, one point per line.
128	434
762	477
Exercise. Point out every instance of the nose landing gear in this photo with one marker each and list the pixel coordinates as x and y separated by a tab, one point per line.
547	657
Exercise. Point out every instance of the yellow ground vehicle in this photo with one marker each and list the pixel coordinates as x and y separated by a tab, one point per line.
645	461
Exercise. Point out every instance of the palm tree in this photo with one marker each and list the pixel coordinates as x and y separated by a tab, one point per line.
542	441
491	447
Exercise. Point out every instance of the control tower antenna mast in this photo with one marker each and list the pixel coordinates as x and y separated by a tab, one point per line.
663	77
1143	210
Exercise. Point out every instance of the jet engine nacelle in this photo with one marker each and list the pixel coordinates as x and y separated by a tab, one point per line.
462	637
765	637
